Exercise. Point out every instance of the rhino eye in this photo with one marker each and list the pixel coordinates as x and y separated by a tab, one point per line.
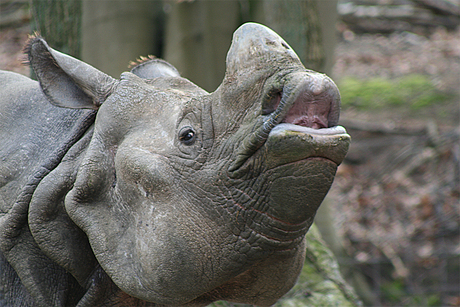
187	135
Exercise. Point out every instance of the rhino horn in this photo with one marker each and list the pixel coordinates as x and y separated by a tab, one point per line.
67	81
255	45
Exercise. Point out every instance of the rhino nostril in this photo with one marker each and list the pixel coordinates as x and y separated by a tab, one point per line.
270	42
271	104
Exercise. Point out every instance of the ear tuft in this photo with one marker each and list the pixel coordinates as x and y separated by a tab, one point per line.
140	60
28	46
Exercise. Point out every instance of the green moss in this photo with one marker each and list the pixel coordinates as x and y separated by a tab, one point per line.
414	91
396	294
320	283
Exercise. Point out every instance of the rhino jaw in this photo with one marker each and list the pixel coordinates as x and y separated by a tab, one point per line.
312	157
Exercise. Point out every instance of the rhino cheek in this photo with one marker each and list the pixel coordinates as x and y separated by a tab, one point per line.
163	264
170	261
166	245
150	240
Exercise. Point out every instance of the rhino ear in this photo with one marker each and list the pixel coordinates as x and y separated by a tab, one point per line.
150	68
66	81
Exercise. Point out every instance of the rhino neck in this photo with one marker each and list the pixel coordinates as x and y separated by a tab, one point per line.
9	221
38	201
258	221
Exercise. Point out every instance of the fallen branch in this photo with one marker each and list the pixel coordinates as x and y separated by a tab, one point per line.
443	6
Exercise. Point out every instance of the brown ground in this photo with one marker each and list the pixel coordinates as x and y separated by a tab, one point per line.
12	41
396	195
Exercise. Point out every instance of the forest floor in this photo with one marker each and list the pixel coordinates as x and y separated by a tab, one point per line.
398	190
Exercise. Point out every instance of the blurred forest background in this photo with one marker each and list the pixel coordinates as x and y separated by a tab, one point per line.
394	209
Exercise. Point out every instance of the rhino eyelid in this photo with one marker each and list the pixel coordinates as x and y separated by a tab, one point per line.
187	136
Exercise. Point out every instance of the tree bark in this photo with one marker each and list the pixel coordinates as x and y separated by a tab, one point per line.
117	32
198	35
298	23
59	22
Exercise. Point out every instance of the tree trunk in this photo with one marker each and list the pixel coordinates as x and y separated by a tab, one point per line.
298	23
59	22
117	32
198	35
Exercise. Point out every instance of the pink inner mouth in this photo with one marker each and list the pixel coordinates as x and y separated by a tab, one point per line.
310	111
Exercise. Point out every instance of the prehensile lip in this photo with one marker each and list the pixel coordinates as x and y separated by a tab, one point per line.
304	96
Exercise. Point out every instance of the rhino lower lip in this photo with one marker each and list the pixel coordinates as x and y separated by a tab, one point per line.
288	143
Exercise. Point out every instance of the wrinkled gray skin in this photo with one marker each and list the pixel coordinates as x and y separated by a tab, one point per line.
173	196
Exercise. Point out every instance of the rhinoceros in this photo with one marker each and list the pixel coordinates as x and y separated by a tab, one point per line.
149	191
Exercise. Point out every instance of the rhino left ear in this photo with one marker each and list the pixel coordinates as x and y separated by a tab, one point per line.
66	81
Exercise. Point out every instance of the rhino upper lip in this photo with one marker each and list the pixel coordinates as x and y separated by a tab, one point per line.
308	100
302	102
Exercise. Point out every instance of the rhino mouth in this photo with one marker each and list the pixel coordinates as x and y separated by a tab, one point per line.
300	122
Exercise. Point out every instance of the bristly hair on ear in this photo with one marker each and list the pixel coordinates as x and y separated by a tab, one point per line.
26	49
140	60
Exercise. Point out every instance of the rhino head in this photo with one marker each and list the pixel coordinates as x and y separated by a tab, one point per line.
187	197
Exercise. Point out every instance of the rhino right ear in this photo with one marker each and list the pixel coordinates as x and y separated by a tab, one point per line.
150	68
66	81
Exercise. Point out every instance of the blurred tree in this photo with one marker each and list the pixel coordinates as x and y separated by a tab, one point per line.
198	33
195	35
60	23
298	23
116	32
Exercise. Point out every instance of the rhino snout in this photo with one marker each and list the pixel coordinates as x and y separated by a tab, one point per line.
316	104
306	99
